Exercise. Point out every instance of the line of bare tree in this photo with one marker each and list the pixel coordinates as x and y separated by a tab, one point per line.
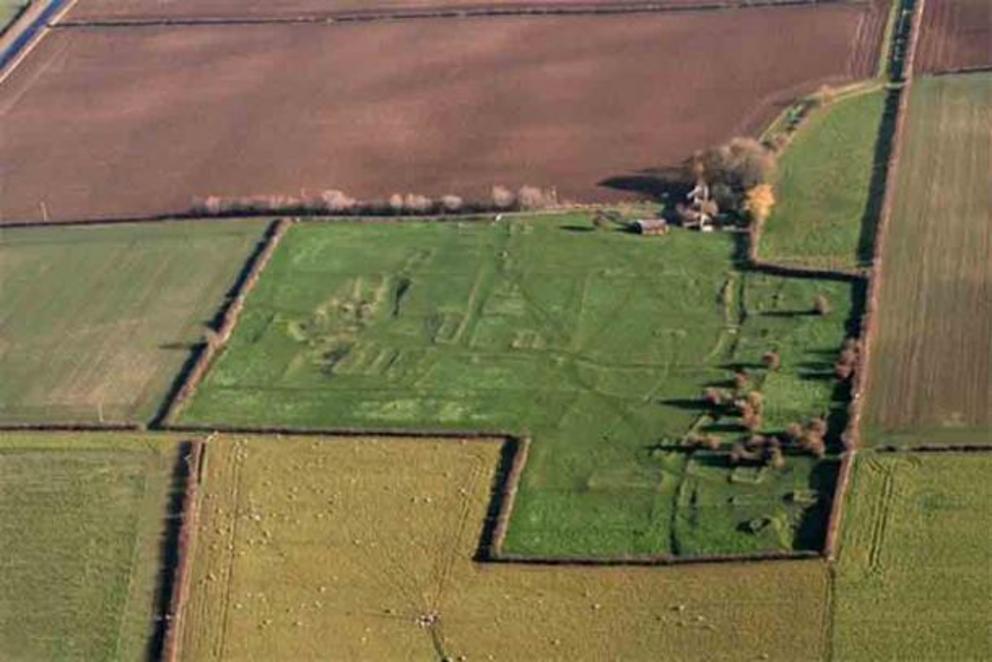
335	202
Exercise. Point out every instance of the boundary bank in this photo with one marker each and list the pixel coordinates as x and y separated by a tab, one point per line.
535	10
471	213
960	71
181	575
196	368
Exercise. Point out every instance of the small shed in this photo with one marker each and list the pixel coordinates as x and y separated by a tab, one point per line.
650	226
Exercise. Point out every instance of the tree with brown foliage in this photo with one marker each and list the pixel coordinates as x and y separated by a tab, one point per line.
758	203
713	397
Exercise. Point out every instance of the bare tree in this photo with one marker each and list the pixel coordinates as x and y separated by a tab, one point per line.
503	197
451	203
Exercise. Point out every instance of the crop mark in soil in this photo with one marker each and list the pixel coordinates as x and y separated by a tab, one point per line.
880	518
402	288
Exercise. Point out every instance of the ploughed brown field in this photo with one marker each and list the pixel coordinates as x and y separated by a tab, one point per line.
120	122
97	10
956	34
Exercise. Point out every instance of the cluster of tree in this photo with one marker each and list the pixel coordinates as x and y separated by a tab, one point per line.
848	360
337	202
810	438
758	449
738	174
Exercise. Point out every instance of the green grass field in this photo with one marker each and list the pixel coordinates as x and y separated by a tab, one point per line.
931	363
82	519
598	344
318	548
96	322
914	579
823	217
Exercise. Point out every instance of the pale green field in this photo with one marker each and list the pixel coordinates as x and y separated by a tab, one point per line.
825	214
82	520
914	579
96	322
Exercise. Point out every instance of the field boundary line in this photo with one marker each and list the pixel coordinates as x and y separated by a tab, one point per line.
959	71
506	496
189	379
473	212
934	448
831	544
182	575
535	10
27	31
71	427
860	381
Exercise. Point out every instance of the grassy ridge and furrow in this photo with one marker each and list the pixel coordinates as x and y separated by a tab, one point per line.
914	579
346	548
82	519
931	363
824	188
597	344
96	322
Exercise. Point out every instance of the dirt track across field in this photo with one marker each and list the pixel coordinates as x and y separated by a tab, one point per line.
956	34
133	122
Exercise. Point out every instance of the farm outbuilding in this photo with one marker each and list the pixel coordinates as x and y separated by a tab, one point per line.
650	226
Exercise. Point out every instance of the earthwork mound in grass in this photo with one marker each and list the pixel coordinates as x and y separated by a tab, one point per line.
598	345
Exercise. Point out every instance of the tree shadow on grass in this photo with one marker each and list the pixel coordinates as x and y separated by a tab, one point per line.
169	549
880	171
812	529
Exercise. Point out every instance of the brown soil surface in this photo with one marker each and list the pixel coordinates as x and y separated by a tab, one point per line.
97	10
132	122
956	34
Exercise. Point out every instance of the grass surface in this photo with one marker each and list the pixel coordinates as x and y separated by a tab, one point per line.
598	344
82	518
931	363
823	217
914	580
96	322
334	548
